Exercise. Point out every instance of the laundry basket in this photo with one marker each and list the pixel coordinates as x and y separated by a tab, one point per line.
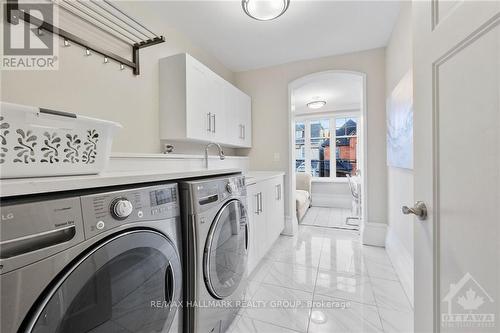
37	142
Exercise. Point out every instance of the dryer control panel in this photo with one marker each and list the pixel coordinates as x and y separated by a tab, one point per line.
108	210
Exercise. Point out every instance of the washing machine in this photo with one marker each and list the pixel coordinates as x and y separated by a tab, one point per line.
92	261
215	233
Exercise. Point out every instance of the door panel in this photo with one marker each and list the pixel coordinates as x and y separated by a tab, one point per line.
457	163
468	166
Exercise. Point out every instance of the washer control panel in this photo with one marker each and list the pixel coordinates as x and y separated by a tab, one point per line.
105	211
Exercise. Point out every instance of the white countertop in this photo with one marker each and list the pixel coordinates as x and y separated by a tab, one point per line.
25	186
253	177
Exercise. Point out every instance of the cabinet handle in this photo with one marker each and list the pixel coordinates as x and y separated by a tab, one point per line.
241	131
278	192
260	199
213	128
257	200
209	122
244	131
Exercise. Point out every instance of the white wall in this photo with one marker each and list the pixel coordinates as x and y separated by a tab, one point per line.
399	241
268	88
331	194
84	85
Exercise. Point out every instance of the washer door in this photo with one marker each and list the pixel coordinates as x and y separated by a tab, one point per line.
128	283
225	257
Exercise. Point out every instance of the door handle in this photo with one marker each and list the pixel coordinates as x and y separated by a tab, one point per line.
420	210
22	245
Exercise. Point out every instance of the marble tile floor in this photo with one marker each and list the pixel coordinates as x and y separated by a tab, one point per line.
328	217
324	281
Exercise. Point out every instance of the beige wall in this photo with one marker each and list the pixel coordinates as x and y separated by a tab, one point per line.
86	86
268	88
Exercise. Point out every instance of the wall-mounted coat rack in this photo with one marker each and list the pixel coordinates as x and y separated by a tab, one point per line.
101	14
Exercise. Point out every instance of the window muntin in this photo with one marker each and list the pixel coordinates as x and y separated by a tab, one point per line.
320	147
313	137
300	136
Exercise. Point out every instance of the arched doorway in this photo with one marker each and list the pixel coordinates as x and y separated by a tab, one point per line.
327	134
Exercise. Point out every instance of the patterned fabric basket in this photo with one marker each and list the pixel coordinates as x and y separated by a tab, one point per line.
38	142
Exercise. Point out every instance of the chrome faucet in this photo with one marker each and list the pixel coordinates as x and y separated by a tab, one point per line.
221	152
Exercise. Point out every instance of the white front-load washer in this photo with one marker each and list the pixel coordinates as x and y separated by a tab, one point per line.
215	236
92	261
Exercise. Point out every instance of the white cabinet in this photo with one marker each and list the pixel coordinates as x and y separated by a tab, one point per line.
239	115
198	105
266	217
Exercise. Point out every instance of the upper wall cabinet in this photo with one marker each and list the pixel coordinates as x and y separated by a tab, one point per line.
198	105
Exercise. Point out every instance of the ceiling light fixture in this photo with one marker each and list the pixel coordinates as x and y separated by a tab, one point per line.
265	10
316	104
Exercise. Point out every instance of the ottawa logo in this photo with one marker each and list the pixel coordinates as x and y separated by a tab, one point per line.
469	305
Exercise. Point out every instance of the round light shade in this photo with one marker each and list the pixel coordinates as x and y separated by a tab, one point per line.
316	104
265	10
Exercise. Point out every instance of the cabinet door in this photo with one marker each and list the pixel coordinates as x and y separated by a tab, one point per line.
245	116
233	113
276	210
218	109
199	102
253	215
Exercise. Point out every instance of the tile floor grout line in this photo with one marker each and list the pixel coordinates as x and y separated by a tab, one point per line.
400	283
375	299
315	284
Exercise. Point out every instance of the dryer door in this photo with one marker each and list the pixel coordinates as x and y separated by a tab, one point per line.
226	249
128	283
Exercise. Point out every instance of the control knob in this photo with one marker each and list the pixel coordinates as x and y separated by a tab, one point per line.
230	188
121	208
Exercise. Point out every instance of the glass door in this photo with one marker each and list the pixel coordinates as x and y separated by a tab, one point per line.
226	250
129	283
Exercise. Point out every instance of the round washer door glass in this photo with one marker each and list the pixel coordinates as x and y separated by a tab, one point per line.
225	258
125	284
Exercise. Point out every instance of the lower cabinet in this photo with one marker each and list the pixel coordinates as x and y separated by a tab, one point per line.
267	217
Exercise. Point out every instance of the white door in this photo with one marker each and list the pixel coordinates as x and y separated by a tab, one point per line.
457	165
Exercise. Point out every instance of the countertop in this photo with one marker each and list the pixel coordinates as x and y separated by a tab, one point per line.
25	186
253	177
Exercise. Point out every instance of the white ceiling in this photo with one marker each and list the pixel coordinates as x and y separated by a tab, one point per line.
341	91
309	29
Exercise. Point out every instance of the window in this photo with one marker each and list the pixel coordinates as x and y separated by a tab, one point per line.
313	138
300	132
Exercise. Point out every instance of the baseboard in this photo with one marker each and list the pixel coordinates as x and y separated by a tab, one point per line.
331	200
402	261
373	233
291	226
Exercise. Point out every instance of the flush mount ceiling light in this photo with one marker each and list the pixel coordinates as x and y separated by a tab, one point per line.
265	10
316	104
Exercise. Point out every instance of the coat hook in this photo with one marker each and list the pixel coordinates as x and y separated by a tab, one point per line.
87	52
106	60
122	67
66	43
